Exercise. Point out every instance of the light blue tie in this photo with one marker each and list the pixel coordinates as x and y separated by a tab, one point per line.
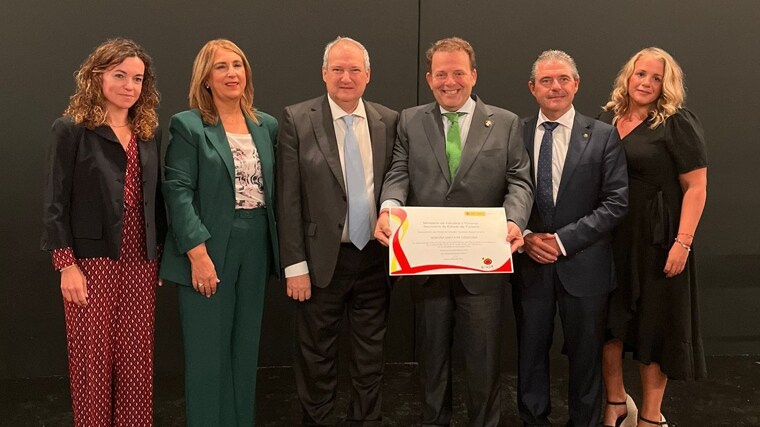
358	200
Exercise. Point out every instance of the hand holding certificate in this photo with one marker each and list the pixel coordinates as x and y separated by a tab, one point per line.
449	241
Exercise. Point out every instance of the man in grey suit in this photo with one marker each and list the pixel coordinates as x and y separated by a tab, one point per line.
458	151
332	155
581	195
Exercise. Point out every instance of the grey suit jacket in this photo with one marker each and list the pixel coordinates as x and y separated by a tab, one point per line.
592	199
494	170
311	192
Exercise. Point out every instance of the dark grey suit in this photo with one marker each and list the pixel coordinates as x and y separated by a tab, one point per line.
592	199
312	203
494	171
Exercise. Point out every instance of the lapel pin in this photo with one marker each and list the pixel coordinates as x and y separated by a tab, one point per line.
585	135
488	123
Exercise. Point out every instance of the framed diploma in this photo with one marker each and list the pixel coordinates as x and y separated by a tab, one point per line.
448	241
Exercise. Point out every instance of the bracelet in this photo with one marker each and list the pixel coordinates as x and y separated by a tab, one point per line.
683	245
67	267
686	234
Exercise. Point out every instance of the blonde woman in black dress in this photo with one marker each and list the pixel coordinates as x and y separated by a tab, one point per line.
654	311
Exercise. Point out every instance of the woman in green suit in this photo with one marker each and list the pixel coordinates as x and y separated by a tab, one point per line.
222	242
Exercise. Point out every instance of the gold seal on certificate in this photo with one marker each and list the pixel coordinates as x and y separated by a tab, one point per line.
449	241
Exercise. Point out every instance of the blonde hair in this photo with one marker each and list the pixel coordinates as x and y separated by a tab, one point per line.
87	104
200	96
671	98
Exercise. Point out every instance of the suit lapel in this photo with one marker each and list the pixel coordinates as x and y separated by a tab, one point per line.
579	137
377	141
266	156
433	125
480	128
106	132
529	136
215	134
148	159
324	131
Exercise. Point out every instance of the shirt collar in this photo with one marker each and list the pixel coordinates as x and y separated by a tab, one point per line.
468	107
338	113
565	120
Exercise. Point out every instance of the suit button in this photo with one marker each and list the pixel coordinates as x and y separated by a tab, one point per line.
344	198
340	226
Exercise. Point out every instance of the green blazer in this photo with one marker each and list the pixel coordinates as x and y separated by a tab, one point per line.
199	190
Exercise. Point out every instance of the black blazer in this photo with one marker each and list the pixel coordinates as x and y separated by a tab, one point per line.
83	201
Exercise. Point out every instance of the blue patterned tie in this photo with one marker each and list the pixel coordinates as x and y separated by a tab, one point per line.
544	197
358	200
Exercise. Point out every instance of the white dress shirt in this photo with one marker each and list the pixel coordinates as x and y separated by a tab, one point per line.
560	145
464	120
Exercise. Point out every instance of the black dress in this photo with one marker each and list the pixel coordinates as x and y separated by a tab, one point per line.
655	317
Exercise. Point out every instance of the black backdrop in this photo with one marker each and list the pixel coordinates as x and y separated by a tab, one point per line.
42	44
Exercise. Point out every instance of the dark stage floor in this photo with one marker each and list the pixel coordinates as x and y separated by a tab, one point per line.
729	397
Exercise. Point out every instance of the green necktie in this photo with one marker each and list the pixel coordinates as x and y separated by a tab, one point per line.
453	143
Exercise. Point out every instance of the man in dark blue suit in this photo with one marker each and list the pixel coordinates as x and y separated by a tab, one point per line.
579	168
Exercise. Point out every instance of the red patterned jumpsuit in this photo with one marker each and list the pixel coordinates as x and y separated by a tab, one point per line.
110	341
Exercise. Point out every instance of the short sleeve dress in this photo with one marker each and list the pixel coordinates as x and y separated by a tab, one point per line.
655	317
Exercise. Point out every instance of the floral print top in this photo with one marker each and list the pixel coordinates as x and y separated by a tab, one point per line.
249	181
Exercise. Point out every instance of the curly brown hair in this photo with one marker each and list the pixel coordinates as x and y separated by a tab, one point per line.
87	105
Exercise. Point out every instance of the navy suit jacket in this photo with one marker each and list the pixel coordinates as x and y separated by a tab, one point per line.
592	199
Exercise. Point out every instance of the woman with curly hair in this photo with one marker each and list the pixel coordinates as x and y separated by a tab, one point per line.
103	213
654	311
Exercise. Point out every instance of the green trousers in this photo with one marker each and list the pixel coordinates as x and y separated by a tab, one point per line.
221	334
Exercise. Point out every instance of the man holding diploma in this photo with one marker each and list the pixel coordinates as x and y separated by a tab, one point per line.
581	195
458	152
